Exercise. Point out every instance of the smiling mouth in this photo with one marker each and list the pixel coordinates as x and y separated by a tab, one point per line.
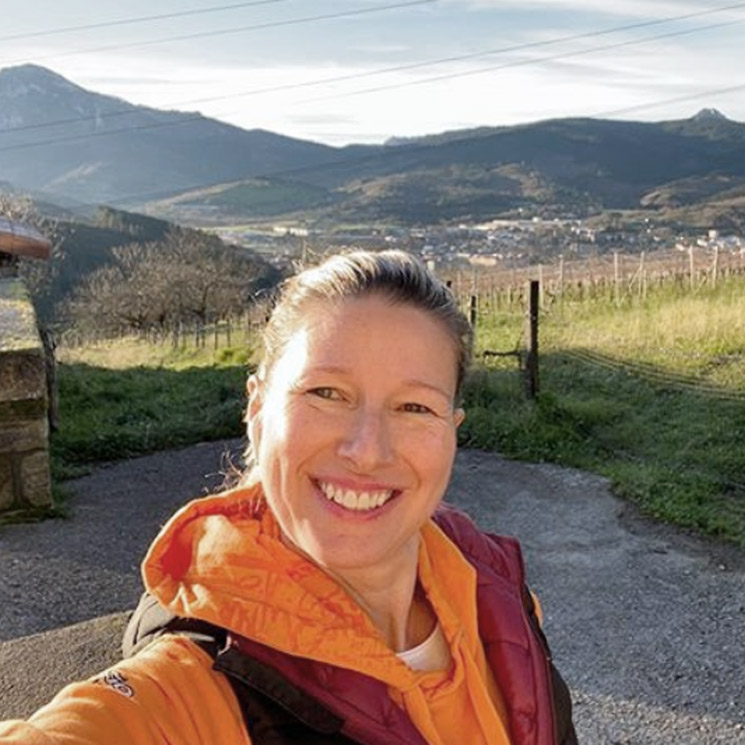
359	501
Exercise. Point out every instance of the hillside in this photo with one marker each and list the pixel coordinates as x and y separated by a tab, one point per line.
568	167
68	143
87	245
59	138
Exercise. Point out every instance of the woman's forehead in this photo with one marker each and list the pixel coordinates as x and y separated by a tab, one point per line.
371	331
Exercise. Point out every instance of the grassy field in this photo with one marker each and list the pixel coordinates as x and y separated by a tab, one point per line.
650	394
130	398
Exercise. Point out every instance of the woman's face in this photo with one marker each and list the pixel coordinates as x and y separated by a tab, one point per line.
355	431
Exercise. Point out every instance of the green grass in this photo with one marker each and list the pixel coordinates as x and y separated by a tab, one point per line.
263	196
168	398
650	394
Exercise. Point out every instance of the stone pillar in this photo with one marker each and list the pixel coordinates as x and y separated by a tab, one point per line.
24	432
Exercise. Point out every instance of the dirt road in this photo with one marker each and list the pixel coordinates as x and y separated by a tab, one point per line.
647	625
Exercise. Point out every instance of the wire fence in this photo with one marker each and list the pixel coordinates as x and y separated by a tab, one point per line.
223	334
628	366
617	275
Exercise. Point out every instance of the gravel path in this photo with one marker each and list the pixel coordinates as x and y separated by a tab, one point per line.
647	624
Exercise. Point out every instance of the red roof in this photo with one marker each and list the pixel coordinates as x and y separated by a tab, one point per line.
23	240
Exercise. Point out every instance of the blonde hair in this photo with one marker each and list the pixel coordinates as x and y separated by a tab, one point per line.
393	275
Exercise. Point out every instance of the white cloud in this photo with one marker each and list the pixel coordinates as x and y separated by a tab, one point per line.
619	8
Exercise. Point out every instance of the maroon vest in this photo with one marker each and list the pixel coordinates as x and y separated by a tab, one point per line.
515	650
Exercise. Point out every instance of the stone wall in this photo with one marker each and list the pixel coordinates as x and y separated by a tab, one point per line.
24	431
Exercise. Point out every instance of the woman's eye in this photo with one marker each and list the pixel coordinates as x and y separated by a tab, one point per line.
415	408
331	394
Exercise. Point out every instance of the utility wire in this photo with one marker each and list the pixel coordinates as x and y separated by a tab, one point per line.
132	21
187	119
233	30
472	55
667	101
375	152
379	151
341	162
397	68
523	63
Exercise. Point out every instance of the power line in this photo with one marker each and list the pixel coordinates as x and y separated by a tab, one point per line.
459	58
139	19
667	101
331	164
335	163
416	65
378	152
233	30
186	119
523	63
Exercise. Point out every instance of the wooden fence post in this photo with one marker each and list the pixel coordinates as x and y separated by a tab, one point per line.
531	359
692	268
474	310
541	285
616	279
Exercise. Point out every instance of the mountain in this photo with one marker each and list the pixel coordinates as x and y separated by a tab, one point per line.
61	139
612	160
550	168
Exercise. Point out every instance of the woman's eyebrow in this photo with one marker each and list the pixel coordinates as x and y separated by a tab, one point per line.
416	383
333	369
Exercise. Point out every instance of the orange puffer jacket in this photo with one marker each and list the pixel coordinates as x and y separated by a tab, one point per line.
220	560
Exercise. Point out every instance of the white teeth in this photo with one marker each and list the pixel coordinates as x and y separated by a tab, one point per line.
353	500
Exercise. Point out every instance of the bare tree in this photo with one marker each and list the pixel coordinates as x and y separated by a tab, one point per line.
190	278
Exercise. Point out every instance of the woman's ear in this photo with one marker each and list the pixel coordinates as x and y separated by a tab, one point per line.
459	415
254	388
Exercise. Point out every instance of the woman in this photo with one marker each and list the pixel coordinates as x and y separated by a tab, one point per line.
321	601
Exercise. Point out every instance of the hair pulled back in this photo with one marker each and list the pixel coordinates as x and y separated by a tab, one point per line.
393	275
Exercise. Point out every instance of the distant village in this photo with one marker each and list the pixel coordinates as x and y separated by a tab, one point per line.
498	244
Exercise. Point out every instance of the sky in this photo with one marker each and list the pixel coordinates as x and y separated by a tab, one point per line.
342	71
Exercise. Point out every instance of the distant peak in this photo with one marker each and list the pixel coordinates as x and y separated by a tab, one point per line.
708	115
28	71
34	75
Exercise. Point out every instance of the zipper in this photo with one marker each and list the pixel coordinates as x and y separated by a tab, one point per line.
533	624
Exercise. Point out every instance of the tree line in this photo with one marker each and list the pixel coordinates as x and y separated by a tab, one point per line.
181	280
188	279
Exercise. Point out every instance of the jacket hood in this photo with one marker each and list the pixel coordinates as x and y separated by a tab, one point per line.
220	559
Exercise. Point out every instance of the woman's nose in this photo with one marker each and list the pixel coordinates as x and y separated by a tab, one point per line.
367	441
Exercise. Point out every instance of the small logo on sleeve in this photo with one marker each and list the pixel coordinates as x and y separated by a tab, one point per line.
118	682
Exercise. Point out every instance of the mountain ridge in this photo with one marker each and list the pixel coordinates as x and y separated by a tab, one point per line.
57	137
60	139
